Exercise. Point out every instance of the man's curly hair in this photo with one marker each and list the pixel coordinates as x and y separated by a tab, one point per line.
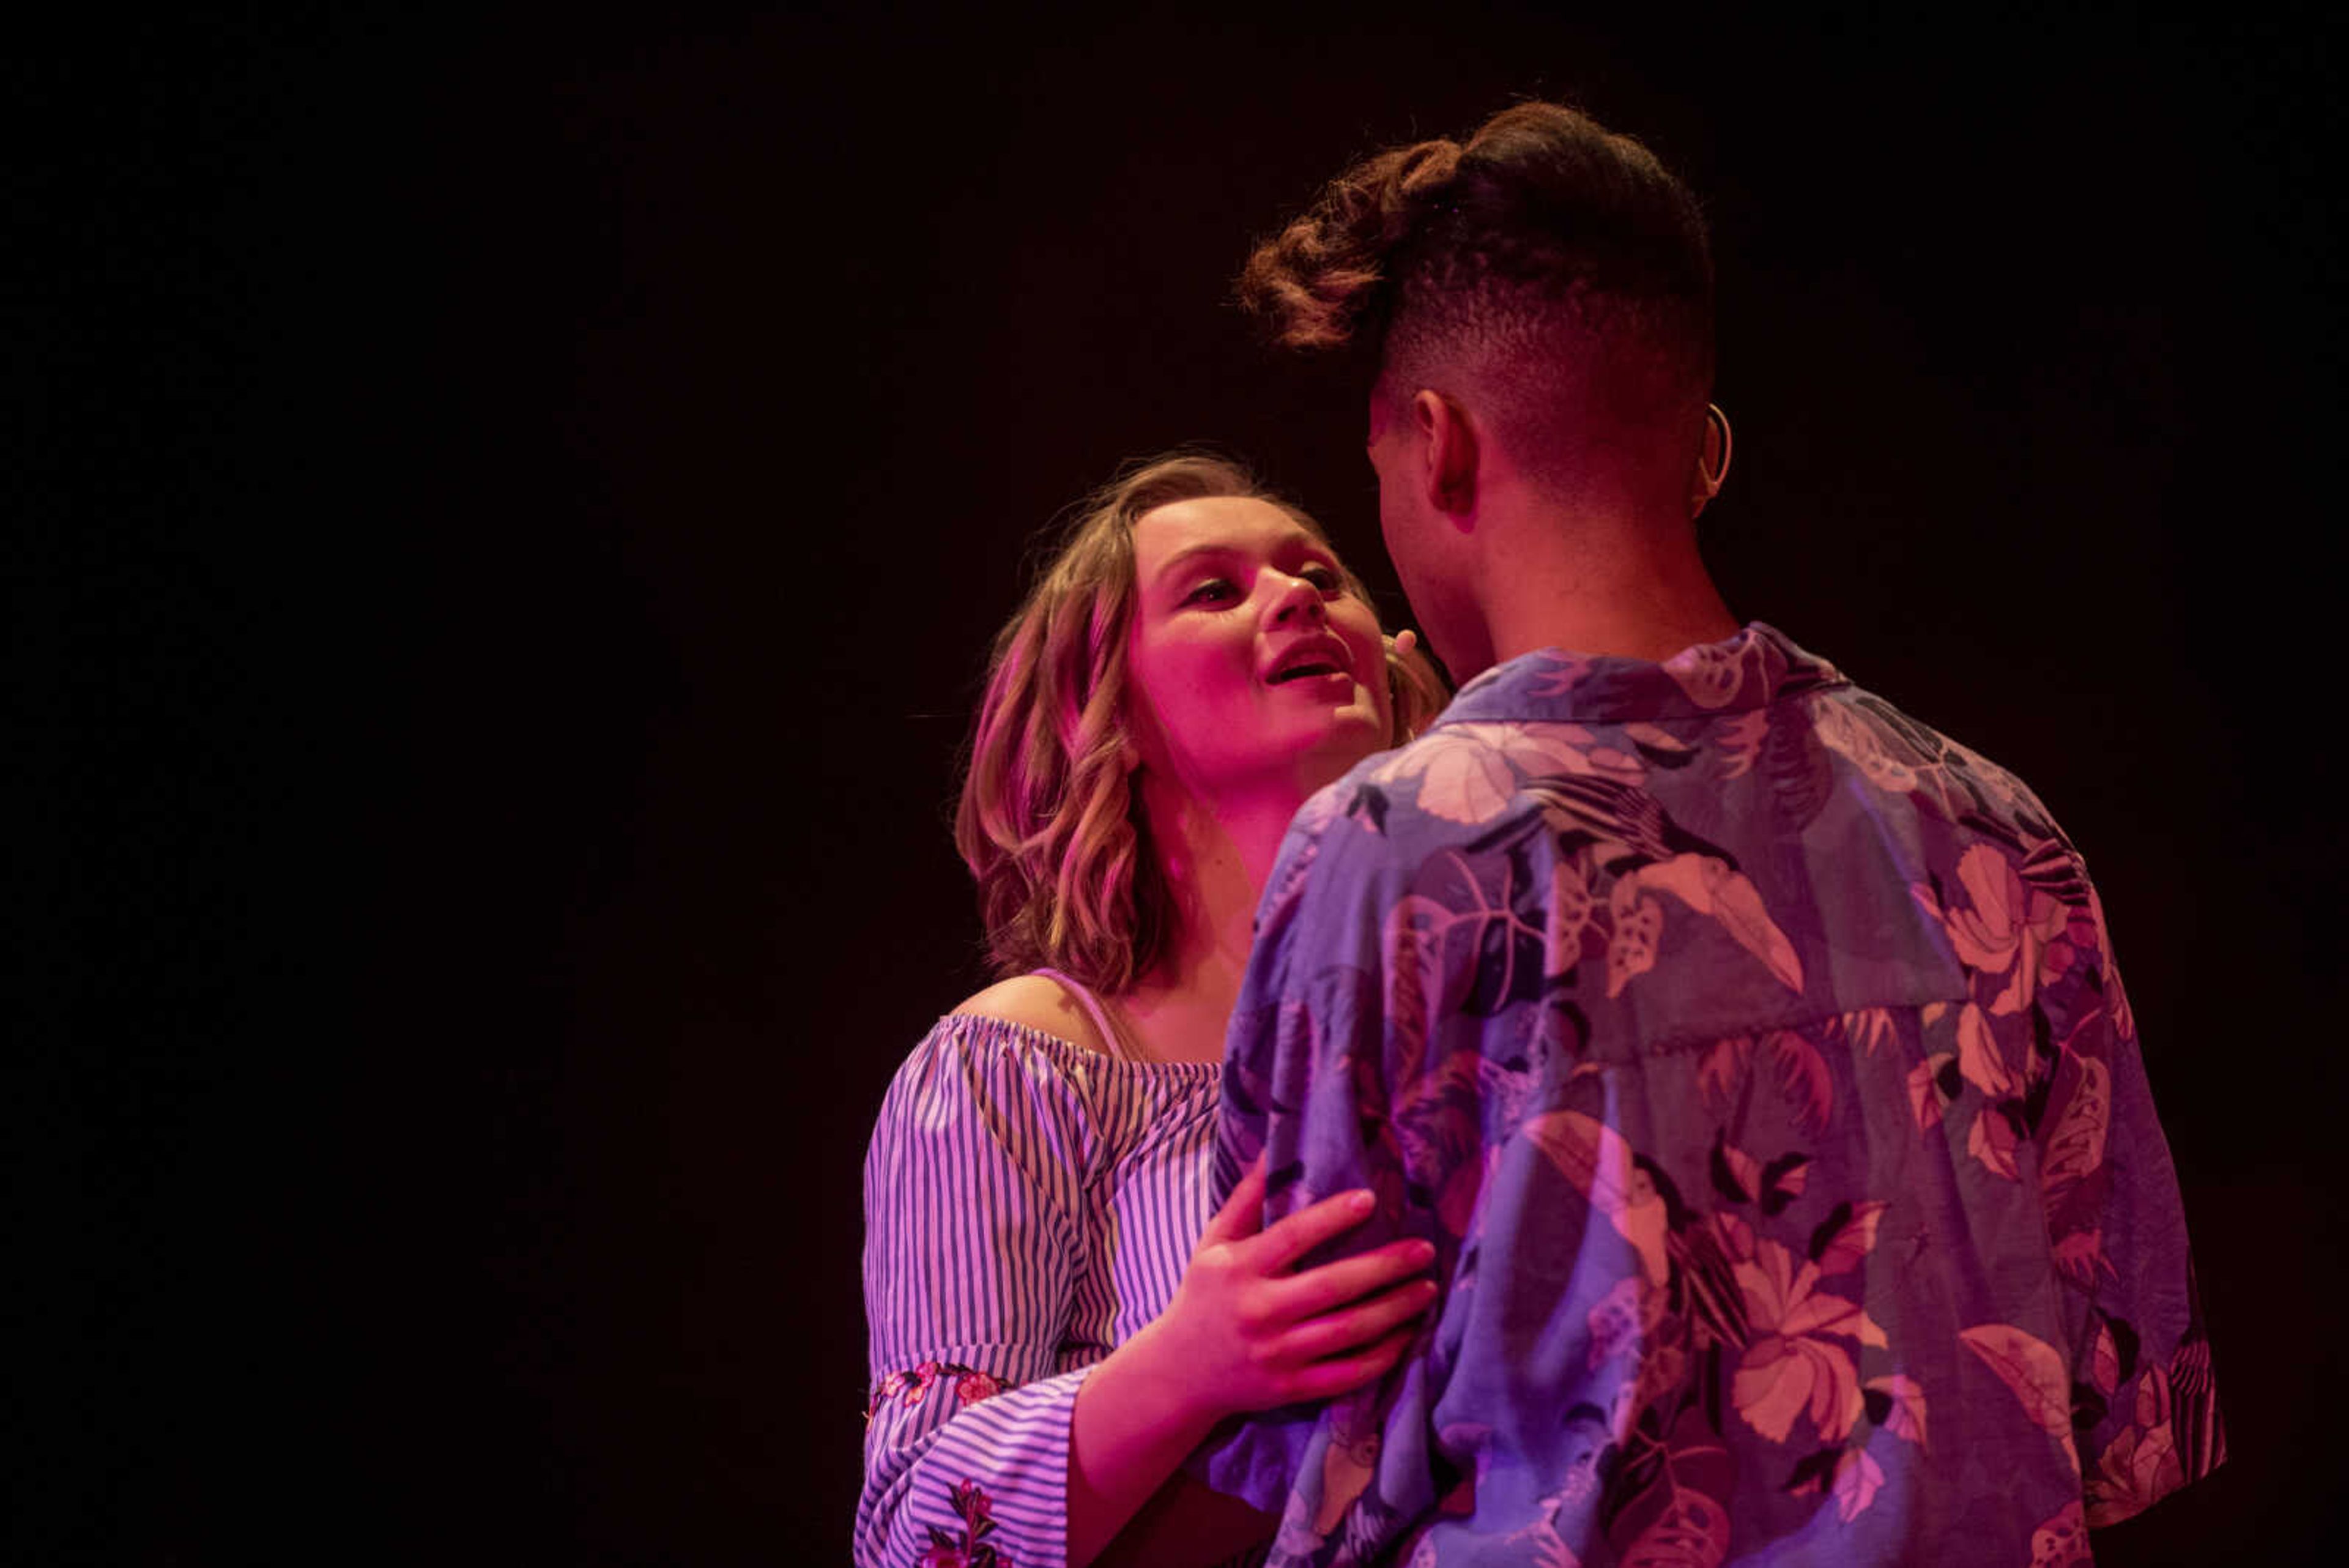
1542	243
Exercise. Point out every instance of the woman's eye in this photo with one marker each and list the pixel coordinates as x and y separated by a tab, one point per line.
1326	579
1214	590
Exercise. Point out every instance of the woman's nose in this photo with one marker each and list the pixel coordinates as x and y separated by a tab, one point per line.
1299	598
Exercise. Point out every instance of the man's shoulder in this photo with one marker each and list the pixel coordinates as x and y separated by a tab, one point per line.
1903	753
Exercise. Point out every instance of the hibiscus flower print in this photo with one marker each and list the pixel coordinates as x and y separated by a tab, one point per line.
1791	1365
2003	925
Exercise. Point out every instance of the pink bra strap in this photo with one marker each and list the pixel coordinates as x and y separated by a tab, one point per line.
1093	1009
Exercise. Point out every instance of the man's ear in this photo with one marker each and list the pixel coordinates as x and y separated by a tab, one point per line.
1449	447
1713	465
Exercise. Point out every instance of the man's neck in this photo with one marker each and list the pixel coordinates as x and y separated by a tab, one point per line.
1600	587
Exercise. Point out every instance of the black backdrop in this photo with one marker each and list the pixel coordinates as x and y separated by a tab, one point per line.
510	513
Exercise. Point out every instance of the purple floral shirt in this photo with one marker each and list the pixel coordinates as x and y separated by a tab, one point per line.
1755	1059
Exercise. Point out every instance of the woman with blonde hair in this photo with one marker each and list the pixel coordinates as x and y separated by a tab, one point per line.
1055	1319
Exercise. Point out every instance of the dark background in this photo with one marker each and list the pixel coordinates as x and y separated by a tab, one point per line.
509	517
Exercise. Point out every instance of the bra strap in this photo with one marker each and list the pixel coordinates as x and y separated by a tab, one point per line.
1095	1010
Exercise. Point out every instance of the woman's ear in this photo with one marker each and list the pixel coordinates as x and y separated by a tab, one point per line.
1415	694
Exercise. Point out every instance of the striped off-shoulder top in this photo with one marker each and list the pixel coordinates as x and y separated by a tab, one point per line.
1029	1203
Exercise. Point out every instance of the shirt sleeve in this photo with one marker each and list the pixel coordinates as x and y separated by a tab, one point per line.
972	1185
1305	1075
2144	1407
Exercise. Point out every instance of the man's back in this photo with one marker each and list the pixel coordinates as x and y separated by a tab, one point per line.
1756	1058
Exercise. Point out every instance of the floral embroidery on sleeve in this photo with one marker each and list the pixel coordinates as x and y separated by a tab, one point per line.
972	1550
909	1389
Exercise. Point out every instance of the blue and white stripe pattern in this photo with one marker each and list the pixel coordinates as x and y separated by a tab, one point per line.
1029	1203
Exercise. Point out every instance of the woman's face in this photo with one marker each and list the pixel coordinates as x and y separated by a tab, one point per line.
1252	666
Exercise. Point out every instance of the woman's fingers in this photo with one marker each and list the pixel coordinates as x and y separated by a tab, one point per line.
1242	1213
1327	1379
1316	1290
1345	1332
1288	1239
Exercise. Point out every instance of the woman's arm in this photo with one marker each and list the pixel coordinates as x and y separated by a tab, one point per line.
973	1188
1245	1332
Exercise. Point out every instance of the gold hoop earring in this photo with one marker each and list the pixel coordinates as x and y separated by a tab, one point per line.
1708	482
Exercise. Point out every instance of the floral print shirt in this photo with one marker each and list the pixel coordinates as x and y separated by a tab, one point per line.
1755	1059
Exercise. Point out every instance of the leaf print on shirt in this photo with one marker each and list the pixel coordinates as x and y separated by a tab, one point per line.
1669	1504
1846	1236
1710	673
1692	1532
1980	1061
1991	1141
2074	1144
1741	1177
1596	1161
1411	962
1783	1181
2033	1372
1897	1405
1871	1026
1707	885
1800	772
1736	1174
1857	1479
2105	1370
1721	1070
1474	918
1845	733
1741	743
1566	915
1660	746
1803	1073
2080	1256
1351	1458
1624	827
1931	1087
2063	1540
1638	928
1467	771
2140	1466
1436	1126
2173	1435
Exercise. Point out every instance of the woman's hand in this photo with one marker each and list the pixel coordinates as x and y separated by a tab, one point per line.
1246	1331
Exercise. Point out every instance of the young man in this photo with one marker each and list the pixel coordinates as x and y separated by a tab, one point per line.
1753	1055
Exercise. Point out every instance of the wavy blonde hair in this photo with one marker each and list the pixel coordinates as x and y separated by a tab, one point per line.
1048	822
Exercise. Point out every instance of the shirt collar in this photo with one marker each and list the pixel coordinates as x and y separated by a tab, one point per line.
1752	670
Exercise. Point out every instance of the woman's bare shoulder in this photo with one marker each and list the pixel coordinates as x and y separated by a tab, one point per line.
1040	1003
